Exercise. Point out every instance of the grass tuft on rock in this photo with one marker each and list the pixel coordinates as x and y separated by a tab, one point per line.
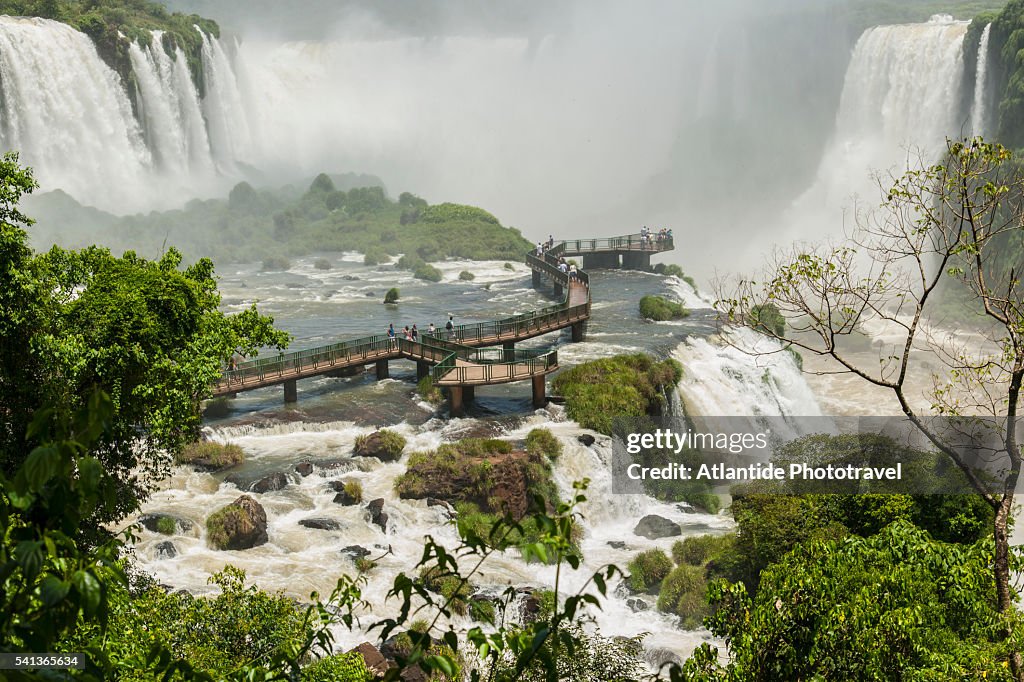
427	391
660	309
210	455
543	443
467	276
392	296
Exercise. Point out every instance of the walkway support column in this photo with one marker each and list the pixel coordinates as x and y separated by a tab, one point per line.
469	393
382	369
509	348
579	331
558	289
455	405
535	277
422	369
603	261
291	391
633	260
539	396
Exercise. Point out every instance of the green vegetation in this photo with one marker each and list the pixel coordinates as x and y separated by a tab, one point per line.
466	276
647	570
543	443
699	550
165	525
427	272
276	264
386	441
673	270
210	455
621	386
322	264
266	224
659	309
354	489
768	319
683	593
218	522
348	667
427	391
392	295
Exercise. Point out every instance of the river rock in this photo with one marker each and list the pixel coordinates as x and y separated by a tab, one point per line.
304	468
686	508
350	278
166	550
319	523
356	552
245	527
151	521
374	446
636	604
271	482
659	656
653	527
370	294
586	439
377	514
373	658
617	544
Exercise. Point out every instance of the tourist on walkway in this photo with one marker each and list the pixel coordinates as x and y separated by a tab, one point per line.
391	335
450	327
431	329
415	333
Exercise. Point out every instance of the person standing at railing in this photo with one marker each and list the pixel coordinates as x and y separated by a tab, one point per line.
430	329
573	274
415	334
391	335
450	325
540	249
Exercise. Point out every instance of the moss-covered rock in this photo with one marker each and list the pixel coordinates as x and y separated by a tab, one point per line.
660	309
699	550
392	296
210	456
620	386
427	391
466	276
647	570
385	445
428	272
239	525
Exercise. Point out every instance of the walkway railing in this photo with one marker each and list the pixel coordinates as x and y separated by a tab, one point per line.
629	242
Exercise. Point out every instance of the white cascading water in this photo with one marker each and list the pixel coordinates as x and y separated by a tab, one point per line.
67	112
900	99
168	107
979	110
224	108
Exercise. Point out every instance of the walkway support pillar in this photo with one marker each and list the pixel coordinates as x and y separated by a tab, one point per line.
603	261
422	369
291	391
579	331
509	348
558	289
633	260
469	393
539	397
535	277
382	369
455	405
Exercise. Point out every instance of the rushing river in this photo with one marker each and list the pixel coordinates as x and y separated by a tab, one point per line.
319	306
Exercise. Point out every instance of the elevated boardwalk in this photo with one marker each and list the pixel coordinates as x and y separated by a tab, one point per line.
457	363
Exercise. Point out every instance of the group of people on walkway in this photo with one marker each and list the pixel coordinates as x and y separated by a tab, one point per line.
647	237
569	269
413	333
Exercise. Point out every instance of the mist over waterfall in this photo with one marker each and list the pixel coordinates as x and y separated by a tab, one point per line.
71	117
979	110
900	98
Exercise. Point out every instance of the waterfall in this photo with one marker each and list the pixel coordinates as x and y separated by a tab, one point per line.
168	107
224	107
900	97
979	110
67	112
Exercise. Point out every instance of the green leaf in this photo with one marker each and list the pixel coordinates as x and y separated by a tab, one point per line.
53	590
42	464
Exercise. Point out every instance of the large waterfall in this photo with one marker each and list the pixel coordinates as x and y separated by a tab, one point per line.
71	117
901	98
979	111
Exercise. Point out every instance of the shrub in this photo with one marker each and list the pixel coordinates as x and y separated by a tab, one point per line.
210	455
683	592
322	264
427	272
409	262
669	270
374	256
508	266
428	392
447	212
449	587
648	569
165	525
660	309
467	276
392	295
348	667
697	551
768	319
543	443
276	264
354	489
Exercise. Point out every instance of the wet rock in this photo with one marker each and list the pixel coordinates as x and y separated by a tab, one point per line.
384	445
239	525
394	646
319	523
346	499
350	278
653	527
373	658
304	468
166	550
617	544
686	508
356	552
586	439
636	604
275	481
531	607
434	502
377	514
151	522
658	656
371	294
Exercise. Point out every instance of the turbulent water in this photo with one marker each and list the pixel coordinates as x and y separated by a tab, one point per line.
979	110
319	305
900	100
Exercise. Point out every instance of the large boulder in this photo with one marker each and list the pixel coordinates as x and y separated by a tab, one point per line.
166	524
271	482
586	439
385	445
372	657
320	523
304	468
239	525
654	527
166	550
377	514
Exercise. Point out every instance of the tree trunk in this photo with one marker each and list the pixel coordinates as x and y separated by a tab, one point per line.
1001	534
